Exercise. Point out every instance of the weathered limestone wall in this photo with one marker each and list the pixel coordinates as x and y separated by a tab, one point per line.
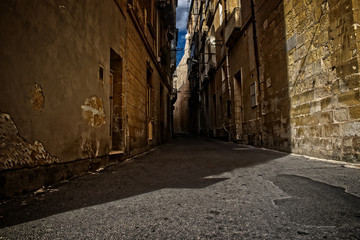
50	59
322	40
181	110
273	92
181	106
243	74
55	103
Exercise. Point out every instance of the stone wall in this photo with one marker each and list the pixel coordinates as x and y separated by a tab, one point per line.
322	41
57	90
273	91
181	106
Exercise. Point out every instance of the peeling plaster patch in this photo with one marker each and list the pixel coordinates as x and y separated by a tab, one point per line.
37	99
15	153
93	111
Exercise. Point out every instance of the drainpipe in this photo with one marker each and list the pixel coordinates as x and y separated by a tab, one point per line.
228	72
229	87
256	52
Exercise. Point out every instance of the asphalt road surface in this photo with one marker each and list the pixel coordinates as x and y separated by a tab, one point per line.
195	188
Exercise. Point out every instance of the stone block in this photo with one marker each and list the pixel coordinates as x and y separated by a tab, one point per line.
324	117
325	143
309	132
351	157
316	131
322	92
347	142
300	110
300	132
335	87
350	129
291	43
301	40
352	81
306	96
349	98
346	68
354	113
300	53
304	120
315	107
331	130
341	115
356	144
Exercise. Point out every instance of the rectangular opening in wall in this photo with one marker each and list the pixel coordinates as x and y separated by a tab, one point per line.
116	101
101	73
149	102
253	94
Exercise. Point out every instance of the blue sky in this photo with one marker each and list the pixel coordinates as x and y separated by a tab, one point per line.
181	22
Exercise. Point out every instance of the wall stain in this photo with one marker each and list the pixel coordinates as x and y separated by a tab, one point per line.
93	111
15	152
90	146
37	99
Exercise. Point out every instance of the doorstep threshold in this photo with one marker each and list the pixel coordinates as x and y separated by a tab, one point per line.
115	152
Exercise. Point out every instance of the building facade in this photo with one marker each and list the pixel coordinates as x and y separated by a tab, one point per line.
277	74
182	86
82	80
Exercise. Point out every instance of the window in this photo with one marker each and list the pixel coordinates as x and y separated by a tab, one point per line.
101	73
253	94
149	100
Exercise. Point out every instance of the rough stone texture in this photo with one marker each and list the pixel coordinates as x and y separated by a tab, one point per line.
178	192
274	96
38	98
303	57
23	180
68	52
93	111
15	152
181	84
323	69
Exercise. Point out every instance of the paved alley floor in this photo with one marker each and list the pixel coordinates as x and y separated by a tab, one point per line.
195	188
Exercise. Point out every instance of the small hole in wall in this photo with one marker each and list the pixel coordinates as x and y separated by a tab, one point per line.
101	74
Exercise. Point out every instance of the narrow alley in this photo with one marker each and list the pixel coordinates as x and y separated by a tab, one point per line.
195	188
180	119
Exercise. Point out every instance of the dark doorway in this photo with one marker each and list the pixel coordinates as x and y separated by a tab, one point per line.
116	101
149	104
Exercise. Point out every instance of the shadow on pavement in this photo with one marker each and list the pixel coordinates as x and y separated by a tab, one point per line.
182	163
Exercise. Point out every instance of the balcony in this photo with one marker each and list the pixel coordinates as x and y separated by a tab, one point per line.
194	48
167	13
209	12
204	34
233	27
